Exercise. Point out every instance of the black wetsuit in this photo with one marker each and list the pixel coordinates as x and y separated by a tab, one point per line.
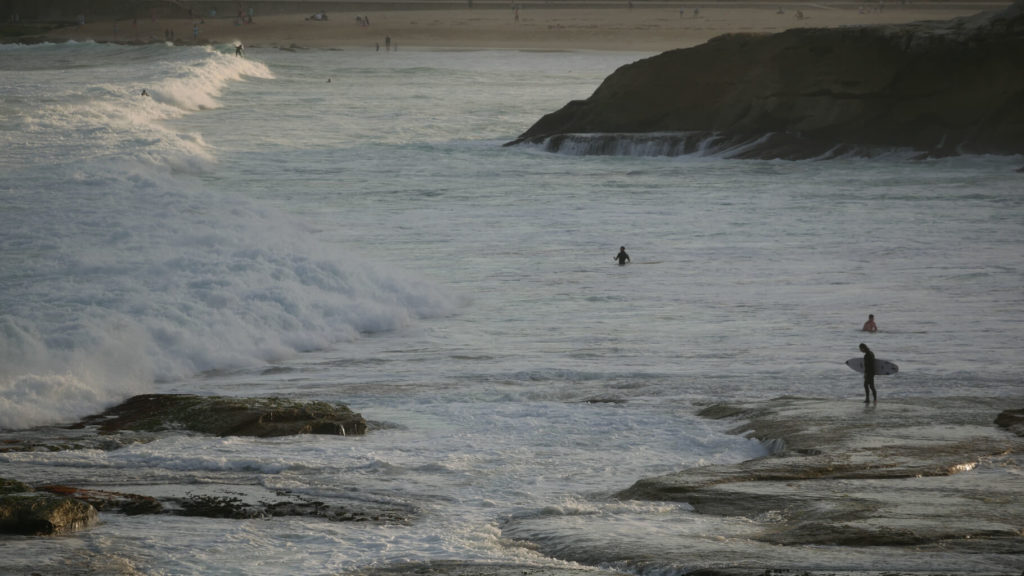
869	375
622	257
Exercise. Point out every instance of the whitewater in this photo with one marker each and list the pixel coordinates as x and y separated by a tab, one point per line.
347	226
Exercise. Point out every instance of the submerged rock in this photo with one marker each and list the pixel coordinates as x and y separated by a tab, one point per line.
939	88
1012	420
56	509
225	416
108	501
457	568
8	486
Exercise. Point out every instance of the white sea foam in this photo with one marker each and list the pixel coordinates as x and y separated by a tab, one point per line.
120	271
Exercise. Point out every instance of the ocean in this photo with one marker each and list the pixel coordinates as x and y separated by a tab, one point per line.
346	226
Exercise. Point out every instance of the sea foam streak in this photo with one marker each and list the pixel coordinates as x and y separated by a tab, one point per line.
118	269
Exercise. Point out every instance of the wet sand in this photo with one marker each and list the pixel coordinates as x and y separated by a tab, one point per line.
648	27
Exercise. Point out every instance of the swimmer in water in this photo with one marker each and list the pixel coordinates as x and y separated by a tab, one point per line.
870	326
622	257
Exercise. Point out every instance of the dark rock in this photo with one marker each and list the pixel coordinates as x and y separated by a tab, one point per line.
457	568
1012	420
939	88
242	505
13	487
219	501
224	416
44	514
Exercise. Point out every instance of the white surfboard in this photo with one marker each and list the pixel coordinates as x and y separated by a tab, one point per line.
882	367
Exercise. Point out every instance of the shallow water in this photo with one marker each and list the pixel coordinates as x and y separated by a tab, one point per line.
251	229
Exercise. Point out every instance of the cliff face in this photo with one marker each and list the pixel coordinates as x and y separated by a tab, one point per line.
937	87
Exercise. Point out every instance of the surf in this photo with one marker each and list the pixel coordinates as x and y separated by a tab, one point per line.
122	270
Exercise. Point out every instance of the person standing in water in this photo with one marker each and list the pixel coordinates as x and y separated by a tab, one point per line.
622	257
869	374
870	326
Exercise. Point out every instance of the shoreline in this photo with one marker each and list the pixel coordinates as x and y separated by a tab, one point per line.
853	478
616	26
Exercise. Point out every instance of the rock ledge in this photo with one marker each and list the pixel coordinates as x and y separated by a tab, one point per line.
224	416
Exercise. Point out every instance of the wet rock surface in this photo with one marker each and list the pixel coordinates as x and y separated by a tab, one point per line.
25	511
44	514
57	509
934	476
939	88
224	416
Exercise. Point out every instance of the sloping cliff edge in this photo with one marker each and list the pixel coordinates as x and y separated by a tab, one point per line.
938	88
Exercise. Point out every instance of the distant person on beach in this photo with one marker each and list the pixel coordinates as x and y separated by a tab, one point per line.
622	257
870	326
239	50
869	374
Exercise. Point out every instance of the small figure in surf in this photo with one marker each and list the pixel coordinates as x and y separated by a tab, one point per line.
144	93
622	257
239	50
870	326
869	374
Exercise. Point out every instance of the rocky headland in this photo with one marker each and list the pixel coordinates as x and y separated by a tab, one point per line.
936	88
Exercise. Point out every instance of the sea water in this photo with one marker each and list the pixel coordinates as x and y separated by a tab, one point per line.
347	226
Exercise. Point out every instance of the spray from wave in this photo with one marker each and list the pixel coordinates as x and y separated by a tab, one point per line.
118	269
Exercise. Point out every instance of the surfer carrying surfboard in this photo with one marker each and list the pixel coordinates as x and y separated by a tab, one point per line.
869	374
622	257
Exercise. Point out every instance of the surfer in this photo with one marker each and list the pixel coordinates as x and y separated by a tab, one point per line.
622	257
870	326
239	50
869	374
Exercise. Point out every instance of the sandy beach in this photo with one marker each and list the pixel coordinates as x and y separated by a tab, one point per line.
647	27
